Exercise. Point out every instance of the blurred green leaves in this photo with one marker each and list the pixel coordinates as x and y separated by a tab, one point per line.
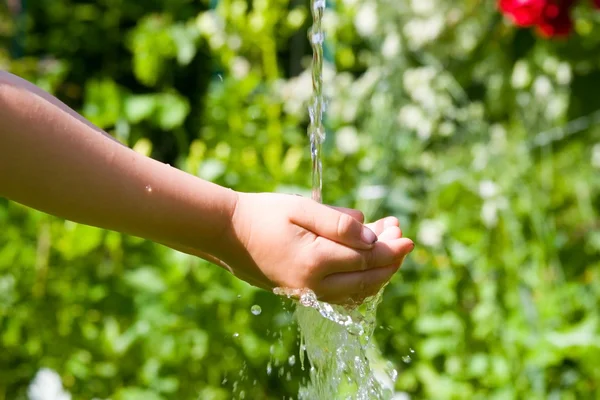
475	135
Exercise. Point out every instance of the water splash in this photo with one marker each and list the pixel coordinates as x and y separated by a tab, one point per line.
345	362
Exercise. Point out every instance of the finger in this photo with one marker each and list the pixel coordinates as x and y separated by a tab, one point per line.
356	214
352	286
388	252
334	258
381	225
391	233
332	224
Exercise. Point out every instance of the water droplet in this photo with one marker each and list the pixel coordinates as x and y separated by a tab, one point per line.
269	368
220	77
148	188
292	360
256	310
239	296
224	381
412	351
236	335
406	359
242	395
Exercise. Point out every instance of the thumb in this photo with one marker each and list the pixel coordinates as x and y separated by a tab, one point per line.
332	224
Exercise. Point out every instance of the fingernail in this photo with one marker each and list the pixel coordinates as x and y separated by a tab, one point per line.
412	246
368	236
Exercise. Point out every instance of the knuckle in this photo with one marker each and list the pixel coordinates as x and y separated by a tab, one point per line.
344	224
360	215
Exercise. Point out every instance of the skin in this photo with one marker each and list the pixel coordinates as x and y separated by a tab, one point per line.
55	161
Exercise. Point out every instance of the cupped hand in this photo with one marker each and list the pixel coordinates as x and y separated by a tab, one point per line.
286	241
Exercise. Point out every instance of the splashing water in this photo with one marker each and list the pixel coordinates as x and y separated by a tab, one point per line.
344	361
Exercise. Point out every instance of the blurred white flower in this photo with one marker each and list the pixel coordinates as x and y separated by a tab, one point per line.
296	92
372	192
521	77
234	42
363	85
542	87
346	140
498	138
391	46
414	118
421	31
563	73
431	232
487	189
557	106
411	116
447	129
414	78
489	211
596	155
550	65
209	23
47	385
366	19
423	7
240	67
480	157
349	112
331	20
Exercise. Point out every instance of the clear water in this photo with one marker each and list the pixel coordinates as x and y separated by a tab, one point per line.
316	130
337	342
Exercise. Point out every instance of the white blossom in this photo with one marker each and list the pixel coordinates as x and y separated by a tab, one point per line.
421	31
542	87
240	67
489	211
423	7
47	385
487	189
391	46
563	73
372	192
521	76
431	232
346	140
366	19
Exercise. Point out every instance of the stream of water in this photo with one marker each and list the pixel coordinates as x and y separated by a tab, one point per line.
337	342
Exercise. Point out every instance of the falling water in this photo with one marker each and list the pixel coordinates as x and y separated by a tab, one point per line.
316	131
338	341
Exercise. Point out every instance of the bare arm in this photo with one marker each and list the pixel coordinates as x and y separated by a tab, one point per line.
53	160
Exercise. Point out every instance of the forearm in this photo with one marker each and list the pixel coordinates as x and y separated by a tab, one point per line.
53	160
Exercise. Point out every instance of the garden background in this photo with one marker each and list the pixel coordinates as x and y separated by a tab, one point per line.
482	137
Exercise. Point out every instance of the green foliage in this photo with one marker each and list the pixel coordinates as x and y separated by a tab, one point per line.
479	137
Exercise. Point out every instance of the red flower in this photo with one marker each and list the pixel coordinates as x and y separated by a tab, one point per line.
556	19
523	12
551	17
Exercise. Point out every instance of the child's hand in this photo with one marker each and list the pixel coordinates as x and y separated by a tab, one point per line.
292	242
